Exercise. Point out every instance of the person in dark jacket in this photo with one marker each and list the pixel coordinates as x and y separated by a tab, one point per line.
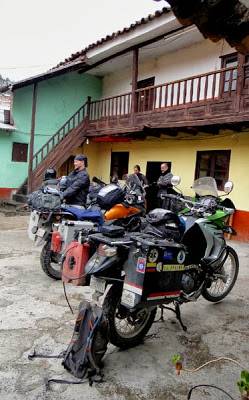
141	177
77	183
164	185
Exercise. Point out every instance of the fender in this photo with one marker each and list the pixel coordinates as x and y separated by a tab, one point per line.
99	263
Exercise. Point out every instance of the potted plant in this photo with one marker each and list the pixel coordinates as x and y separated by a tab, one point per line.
243	385
177	361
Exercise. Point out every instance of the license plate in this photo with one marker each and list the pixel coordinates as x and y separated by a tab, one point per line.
97	284
128	298
40	233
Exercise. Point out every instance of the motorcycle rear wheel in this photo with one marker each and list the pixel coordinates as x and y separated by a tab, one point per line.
48	264
219	288
126	329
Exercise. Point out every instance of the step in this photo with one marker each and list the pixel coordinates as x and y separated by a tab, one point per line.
20	198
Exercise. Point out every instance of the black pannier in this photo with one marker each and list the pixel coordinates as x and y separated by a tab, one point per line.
110	195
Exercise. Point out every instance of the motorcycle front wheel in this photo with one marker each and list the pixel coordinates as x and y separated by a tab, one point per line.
126	329
49	262
224	278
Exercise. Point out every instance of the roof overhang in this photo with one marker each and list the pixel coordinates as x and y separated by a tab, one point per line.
7	127
143	33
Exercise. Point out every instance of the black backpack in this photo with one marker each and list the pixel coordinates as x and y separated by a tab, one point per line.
89	342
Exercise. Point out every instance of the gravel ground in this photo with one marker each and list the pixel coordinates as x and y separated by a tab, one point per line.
35	315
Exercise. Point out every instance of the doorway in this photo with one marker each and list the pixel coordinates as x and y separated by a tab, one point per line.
153	172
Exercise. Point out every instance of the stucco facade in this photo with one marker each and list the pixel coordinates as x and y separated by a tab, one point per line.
182	153
195	59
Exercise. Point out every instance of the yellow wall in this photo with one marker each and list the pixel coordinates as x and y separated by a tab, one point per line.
182	153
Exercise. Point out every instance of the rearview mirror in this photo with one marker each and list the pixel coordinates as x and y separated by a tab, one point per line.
175	180
228	187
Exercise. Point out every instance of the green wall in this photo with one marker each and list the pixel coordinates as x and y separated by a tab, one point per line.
57	99
12	173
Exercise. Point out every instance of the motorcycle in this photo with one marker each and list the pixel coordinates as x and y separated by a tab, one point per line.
126	214
53	224
175	259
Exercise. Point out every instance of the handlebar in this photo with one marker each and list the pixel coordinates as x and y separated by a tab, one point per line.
197	206
98	181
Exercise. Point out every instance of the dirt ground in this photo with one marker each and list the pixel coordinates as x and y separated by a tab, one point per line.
35	315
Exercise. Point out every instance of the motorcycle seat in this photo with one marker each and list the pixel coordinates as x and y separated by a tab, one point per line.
81	215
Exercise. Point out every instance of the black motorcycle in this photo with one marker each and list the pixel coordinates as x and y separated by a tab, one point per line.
173	260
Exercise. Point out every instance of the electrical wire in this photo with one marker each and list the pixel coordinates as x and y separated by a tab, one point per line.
210	386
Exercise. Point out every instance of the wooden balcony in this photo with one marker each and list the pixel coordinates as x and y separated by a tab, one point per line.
215	98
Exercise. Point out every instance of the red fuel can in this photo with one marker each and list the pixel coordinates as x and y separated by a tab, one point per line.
56	242
73	268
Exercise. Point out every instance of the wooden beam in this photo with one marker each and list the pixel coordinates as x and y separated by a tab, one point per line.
32	137
135	55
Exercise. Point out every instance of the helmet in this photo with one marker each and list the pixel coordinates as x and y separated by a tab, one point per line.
50	173
81	157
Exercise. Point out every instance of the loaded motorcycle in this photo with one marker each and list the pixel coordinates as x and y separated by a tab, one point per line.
176	259
123	215
55	225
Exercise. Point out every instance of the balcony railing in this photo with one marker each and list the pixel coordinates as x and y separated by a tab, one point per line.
215	85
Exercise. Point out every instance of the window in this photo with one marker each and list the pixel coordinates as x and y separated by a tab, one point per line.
146	97
215	164
229	80
119	164
5	116
20	152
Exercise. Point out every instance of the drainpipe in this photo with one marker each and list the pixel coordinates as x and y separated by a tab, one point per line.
32	138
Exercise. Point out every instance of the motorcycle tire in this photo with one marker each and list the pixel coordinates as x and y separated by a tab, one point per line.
216	298
112	308
46	261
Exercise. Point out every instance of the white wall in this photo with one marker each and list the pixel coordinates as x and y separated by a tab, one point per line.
193	60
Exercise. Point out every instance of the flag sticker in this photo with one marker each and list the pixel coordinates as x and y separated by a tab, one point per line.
141	264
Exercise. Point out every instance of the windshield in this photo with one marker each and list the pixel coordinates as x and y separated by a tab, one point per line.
205	186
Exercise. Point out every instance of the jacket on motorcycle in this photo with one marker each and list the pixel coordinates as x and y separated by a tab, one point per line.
77	188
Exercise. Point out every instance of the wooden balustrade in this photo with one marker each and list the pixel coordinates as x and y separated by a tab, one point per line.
111	107
209	86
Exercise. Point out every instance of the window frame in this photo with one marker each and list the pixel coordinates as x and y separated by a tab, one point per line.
19	155
224	60
213	154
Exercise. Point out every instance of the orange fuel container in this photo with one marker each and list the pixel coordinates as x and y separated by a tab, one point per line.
73	269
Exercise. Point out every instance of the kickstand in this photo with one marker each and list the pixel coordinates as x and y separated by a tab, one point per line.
177	312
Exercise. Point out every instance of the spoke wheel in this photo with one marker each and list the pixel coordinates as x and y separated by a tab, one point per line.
49	262
126	329
224	278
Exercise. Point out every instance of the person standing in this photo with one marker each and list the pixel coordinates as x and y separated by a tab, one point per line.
77	183
141	177
164	185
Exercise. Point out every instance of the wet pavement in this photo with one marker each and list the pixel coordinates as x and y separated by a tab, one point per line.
34	315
